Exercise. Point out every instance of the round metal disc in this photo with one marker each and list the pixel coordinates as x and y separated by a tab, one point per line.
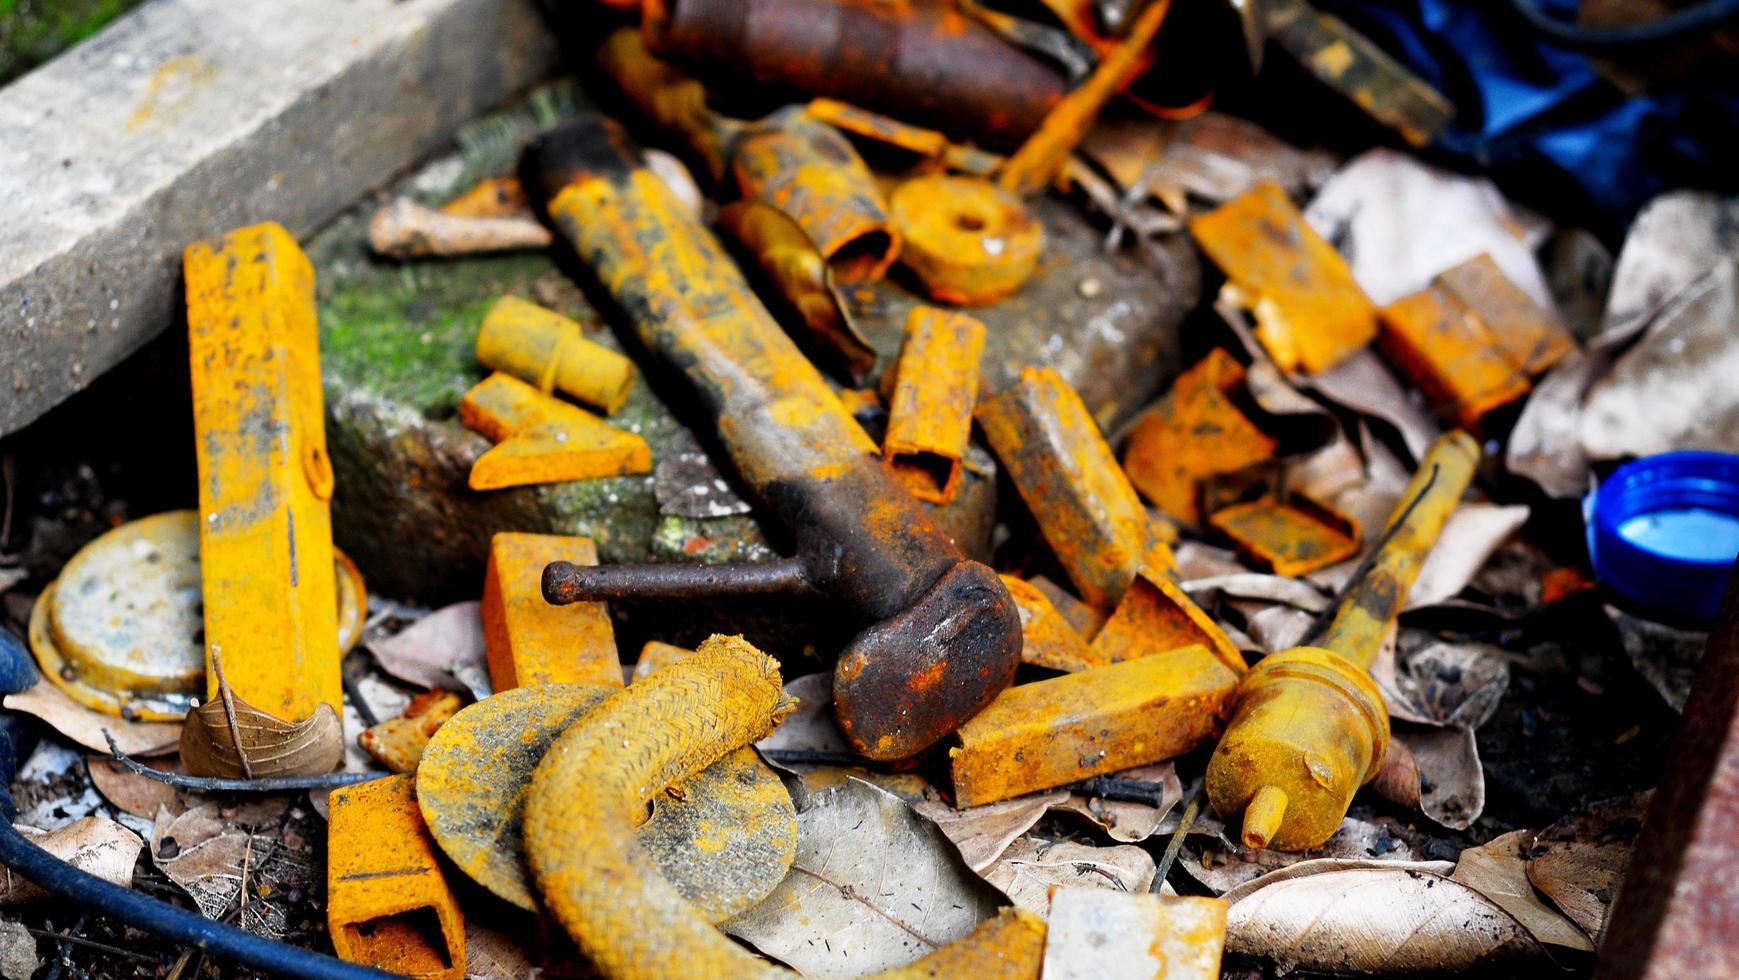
122	629
724	838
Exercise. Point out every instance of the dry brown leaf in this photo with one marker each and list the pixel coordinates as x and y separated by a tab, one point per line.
1031	866
1129	821
95	845
132	793
1579	861
437	650
1364	384
1221	863
86	727
494	954
1473	532
274	747
982	833
811	727
209	851
1451	780
1398	780
1200	561
1371	917
1256	585
874	886
1666	657
1436	682
1498	871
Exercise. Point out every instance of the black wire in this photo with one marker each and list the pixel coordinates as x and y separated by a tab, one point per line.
155	916
1672	27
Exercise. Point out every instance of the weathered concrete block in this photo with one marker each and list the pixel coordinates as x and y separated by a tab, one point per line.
190	117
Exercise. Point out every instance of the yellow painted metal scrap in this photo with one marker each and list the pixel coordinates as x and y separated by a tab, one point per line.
1194	432
387	902
968	242
542	439
1048	640
547	350
529	641
265	527
1065	472
1056	731
592	787
930	414
1309	311
1310	725
1155	616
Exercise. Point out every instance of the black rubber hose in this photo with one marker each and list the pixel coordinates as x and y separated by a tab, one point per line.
157	917
1672	27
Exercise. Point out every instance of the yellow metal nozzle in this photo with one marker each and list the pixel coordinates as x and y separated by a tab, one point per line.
1262	817
1310	726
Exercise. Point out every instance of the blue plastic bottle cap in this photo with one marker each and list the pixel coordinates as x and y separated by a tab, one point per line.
1663	532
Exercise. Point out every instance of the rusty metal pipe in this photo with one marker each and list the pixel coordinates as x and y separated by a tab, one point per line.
921	61
566	582
942	636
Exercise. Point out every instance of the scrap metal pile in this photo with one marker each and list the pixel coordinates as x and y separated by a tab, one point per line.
1023	683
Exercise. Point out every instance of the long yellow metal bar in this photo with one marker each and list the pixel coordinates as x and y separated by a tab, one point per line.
265	526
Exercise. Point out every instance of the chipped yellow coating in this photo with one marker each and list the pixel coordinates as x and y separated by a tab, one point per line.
968	242
547	350
1047	638
1031	168
383	882
1105	719
1533	338
542	439
805	168
1155	616
1194	432
1451	355
1310	313
1084	505
930	414
265	527
593	784
530	641
1292	537
1310	726
1008	947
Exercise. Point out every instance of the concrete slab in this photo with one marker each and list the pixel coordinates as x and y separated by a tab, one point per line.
189	117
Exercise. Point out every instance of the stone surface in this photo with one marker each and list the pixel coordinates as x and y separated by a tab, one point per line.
189	117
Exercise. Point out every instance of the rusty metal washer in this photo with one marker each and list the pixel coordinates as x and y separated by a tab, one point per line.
121	630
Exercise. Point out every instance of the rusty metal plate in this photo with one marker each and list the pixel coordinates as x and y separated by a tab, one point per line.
724	838
120	631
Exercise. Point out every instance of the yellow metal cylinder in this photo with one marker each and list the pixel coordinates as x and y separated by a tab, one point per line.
1376	599
1310	726
544	348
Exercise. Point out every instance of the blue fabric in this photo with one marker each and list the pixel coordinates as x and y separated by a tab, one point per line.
1535	116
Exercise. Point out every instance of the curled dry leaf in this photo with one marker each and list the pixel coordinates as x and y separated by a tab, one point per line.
1498	871
1398	780
1371	917
1255	585
95	845
1451	780
1442	683
1221	863
132	793
874	886
86	727
209	852
1665	656
982	833
437	650
1473	532
1364	384
272	746
1579	861
811	727
1130	821
1032	866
